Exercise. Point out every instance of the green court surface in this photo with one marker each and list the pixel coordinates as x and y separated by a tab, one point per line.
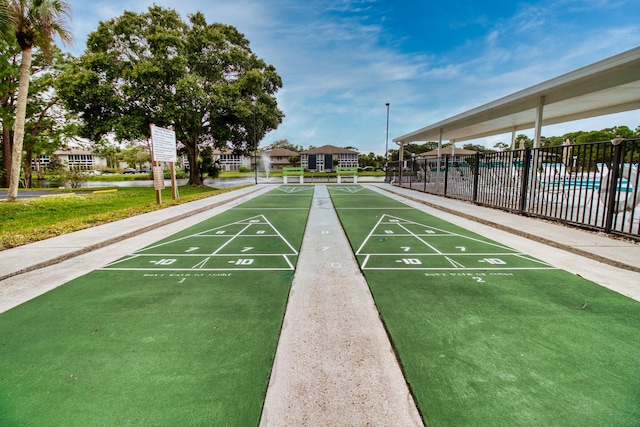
487	335
183	332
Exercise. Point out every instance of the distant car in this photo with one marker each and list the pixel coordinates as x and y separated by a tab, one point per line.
143	170
130	170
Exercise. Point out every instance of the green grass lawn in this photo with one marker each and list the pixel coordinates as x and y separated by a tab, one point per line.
30	220
495	338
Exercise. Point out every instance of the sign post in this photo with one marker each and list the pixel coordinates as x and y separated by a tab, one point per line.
163	149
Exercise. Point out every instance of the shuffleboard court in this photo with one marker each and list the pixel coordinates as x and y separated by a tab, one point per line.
182	332
252	243
487	335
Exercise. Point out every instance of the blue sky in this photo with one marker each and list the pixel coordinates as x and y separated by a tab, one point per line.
342	60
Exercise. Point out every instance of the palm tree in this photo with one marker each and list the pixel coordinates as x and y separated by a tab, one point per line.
4	19
34	24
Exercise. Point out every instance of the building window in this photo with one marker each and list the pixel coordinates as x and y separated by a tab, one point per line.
80	161
230	162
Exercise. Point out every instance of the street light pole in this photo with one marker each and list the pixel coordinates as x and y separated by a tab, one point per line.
255	143
386	147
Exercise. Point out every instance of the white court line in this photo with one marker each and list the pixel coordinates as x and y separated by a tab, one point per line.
416	237
200	234
291	189
201	264
258	220
410	235
364	263
181	255
349	189
457	254
286	258
281	236
158	270
130	257
389	220
375	209
271	209
230	240
446	232
492	269
455	264
370	234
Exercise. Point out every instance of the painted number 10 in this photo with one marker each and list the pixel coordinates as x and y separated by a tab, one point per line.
494	261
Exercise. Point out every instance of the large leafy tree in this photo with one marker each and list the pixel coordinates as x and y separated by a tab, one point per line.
34	24
153	68
284	143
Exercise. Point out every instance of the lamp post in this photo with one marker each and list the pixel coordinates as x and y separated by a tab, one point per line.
255	141
386	146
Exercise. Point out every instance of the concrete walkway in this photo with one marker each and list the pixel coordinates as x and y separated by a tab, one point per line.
334	364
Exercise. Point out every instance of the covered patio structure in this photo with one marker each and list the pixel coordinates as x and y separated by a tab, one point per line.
592	185
605	87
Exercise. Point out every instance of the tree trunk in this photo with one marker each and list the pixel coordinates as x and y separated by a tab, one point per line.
18	130
194	175
28	175
6	155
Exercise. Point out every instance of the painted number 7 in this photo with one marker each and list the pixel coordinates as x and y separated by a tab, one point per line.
406	248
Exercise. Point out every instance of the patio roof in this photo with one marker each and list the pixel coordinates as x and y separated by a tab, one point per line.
456	151
605	87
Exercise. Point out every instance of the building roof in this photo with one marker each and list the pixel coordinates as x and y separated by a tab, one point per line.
220	151
329	149
281	152
71	151
605	87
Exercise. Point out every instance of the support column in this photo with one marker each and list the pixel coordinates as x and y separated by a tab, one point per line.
538	125
400	162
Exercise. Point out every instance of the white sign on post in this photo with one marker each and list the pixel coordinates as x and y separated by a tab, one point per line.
163	144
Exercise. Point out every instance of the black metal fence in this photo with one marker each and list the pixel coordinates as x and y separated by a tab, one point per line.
593	185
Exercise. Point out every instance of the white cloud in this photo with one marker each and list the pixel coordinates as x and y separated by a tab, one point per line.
341	61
